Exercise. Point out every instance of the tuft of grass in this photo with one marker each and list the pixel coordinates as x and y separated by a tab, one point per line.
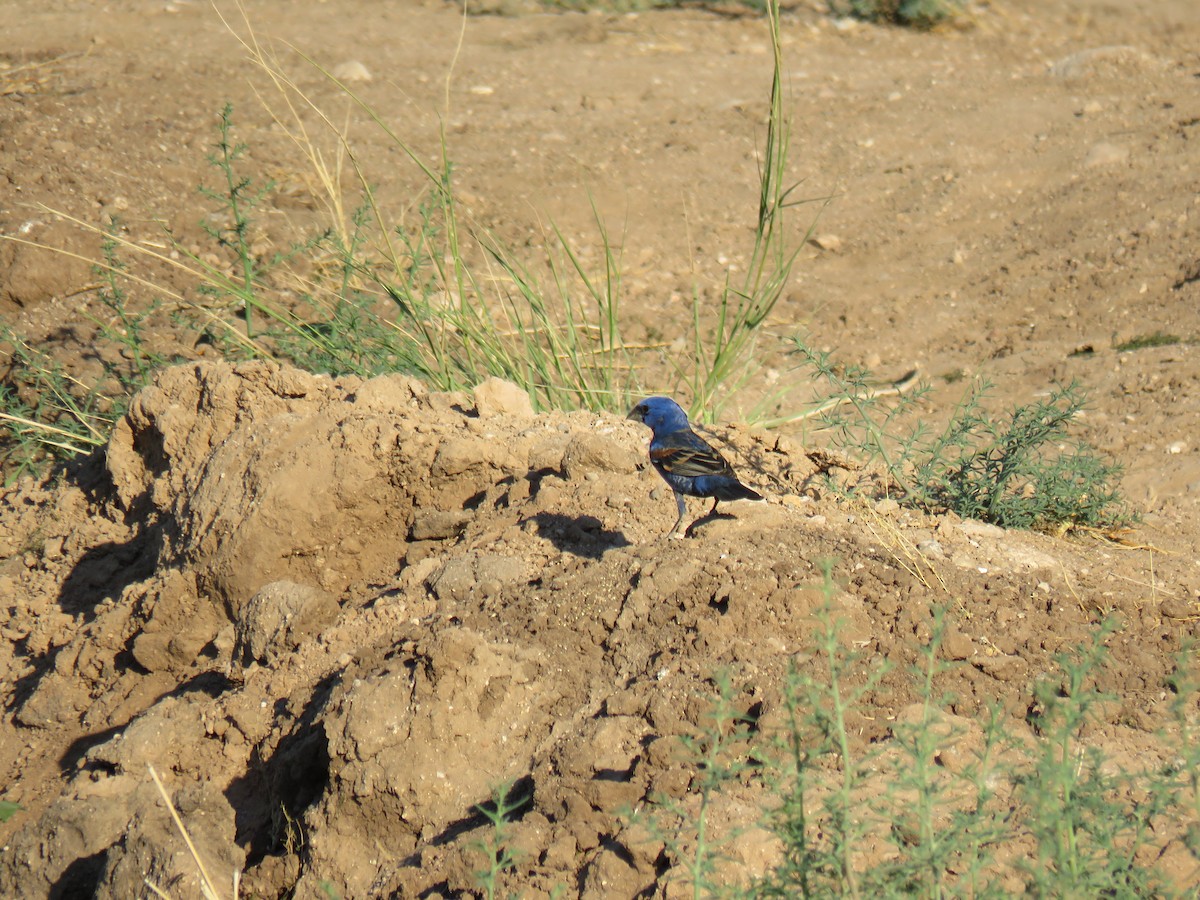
8	809
912	13
434	295
47	414
722	358
1143	341
1018	469
50	415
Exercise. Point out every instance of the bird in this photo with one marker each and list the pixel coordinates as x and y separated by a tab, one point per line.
686	461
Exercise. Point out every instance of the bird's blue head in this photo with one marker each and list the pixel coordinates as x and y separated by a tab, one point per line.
661	415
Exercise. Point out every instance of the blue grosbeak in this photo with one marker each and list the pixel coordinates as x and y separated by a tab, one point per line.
685	460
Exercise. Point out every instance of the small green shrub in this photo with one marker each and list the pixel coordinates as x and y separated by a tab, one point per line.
1143	341
1087	829
49	414
498	856
718	751
1019	469
914	13
891	819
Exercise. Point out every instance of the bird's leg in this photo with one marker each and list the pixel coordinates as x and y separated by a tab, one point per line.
713	511
675	532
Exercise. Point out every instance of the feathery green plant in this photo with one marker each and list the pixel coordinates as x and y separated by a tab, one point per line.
1021	469
717	751
498	856
914	13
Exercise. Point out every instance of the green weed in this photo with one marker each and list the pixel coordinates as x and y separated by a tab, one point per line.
498	856
49	414
1144	341
914	13
238	195
722	356
1019	469
718	752
819	860
893	818
1087	833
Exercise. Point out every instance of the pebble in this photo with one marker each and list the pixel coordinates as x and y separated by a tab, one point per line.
351	71
1105	154
1175	608
439	525
497	397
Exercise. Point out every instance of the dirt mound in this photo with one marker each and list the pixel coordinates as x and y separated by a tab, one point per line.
336	614
346	611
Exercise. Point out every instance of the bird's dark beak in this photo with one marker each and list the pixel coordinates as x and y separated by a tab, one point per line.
638	413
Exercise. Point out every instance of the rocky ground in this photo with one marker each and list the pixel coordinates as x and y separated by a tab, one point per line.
334	614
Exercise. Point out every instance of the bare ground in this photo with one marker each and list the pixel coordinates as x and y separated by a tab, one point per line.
335	614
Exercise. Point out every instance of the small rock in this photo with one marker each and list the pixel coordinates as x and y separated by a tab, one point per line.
830	242
438	525
1177	608
931	548
1001	667
1115	60
497	397
279	618
975	528
351	71
596	453
1105	154
957	646
887	507
454	581
493	572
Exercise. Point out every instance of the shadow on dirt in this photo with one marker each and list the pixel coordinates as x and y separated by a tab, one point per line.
579	535
212	683
278	788
105	570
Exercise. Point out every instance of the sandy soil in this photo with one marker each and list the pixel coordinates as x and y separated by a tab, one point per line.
333	613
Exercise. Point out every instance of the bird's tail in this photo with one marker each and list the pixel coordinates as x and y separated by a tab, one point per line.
738	491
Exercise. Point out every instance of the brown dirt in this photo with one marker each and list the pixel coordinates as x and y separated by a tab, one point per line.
334	614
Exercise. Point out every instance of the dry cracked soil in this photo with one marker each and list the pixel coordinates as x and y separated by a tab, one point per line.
334	614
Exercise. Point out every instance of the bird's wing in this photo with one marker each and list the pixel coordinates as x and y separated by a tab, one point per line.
683	453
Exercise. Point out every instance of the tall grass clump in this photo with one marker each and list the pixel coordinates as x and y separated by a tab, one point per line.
426	291
50	414
723	353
